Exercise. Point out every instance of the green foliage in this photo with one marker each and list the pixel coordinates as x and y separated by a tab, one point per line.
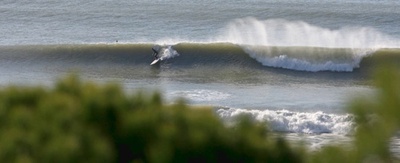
84	122
377	121
79	121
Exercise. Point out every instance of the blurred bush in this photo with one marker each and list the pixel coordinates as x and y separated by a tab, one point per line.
77	121
377	120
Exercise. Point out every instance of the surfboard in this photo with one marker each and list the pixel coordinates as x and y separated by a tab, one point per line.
155	61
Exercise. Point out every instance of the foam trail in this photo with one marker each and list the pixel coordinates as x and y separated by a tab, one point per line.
296	122
168	52
201	95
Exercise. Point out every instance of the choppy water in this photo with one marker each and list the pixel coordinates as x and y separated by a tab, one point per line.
294	64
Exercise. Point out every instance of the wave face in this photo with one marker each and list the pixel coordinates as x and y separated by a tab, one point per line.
295	122
217	56
249	42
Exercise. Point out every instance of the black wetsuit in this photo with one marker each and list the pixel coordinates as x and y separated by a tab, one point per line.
155	53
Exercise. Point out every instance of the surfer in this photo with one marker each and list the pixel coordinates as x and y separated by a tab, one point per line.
155	52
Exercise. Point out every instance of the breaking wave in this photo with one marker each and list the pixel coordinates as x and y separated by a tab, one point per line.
248	42
212	55
297	45
281	32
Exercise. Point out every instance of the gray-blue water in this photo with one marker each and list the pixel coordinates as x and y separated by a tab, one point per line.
54	22
44	39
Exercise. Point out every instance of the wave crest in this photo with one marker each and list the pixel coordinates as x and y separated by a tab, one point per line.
280	32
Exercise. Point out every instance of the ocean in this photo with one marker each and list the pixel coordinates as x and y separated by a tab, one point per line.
294	64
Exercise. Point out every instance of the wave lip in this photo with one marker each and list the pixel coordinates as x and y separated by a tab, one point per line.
296	122
281	32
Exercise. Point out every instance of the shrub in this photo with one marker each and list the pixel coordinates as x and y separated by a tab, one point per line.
84	122
77	121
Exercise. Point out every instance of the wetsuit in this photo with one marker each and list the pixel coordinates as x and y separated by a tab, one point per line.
155	53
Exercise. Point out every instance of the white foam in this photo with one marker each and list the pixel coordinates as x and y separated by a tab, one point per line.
348	60
201	95
168	52
283	61
296	122
309	58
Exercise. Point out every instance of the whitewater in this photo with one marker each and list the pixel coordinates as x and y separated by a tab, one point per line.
294	64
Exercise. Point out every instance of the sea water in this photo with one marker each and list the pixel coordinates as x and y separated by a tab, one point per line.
294	64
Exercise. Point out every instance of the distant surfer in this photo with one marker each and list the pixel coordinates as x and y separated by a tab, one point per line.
155	52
